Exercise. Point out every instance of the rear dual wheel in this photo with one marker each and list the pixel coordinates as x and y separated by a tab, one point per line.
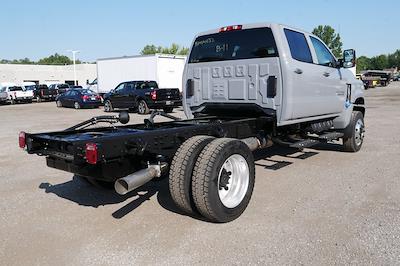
222	179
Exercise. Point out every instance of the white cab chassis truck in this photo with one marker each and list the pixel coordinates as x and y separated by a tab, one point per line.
245	87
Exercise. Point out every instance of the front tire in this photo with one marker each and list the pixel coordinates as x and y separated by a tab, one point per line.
223	180
181	170
59	104
354	133
143	109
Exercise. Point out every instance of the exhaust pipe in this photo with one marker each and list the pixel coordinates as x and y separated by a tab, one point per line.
139	178
255	143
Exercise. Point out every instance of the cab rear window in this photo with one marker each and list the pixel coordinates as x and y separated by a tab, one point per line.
234	45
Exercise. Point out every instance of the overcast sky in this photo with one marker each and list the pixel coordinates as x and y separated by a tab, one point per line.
99	29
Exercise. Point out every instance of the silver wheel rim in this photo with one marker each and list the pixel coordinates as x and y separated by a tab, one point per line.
359	132
76	105
107	106
233	181
141	107
58	103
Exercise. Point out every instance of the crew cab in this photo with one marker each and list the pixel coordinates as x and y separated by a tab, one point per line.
42	92
142	96
12	93
59	87
246	87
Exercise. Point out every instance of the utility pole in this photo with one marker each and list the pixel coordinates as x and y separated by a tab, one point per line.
74	52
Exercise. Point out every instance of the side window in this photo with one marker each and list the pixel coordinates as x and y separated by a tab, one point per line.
139	85
120	87
298	46
324	56
130	86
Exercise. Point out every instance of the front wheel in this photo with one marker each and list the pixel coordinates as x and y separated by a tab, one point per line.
58	103
223	180
143	109
38	99
354	133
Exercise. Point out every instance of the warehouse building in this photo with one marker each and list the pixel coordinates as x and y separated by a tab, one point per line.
47	74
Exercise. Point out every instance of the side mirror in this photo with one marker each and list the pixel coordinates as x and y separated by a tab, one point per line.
123	117
349	58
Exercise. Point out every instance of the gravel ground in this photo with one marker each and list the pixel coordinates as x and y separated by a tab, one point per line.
318	207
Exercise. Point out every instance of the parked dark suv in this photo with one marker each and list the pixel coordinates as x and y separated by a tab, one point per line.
141	96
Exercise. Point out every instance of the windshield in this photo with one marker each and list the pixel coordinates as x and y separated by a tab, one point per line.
233	45
63	86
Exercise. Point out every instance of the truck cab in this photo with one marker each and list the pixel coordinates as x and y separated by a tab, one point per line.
272	69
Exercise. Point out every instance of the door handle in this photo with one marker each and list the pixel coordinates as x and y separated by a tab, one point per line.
298	71
326	74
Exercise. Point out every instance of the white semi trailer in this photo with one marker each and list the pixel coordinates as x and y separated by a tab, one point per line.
167	70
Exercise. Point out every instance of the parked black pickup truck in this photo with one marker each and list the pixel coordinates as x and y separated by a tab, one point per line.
43	92
142	96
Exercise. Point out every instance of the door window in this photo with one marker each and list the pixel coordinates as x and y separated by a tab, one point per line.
120	88
130	86
298	46
324	56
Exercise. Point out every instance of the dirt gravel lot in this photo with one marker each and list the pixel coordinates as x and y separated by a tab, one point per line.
319	207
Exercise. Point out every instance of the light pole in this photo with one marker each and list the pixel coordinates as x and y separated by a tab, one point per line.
74	52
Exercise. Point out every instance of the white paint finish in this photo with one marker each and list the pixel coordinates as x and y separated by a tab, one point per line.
46	74
165	69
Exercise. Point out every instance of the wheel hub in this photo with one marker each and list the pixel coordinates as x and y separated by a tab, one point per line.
233	180
224	179
359	132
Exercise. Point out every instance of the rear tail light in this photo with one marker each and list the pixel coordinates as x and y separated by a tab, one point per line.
85	97
41	92
98	97
153	95
91	153
22	139
230	28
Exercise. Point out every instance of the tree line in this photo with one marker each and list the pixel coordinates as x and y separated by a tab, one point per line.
55	59
379	62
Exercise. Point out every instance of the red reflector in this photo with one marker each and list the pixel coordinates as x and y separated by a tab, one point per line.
21	139
91	153
153	95
230	28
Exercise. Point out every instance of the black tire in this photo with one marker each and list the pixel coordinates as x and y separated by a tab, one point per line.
108	106
354	133
143	109
206	183
59	103
77	105
168	109
181	170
